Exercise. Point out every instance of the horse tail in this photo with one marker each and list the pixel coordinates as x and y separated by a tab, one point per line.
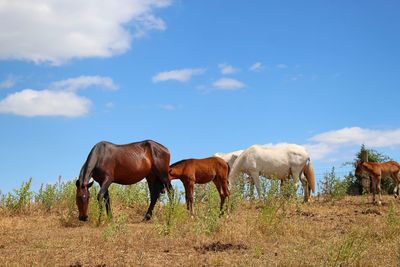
161	158
308	171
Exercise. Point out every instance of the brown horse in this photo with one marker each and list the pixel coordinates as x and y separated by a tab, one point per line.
123	164
378	170
201	171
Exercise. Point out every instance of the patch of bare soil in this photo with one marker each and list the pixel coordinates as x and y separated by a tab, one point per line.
219	247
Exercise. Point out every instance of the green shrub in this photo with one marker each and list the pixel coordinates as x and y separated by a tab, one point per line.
19	200
131	196
48	196
274	209
115	228
67	206
349	252
332	188
172	214
392	221
207	214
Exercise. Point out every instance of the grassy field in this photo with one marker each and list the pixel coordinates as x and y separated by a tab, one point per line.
274	232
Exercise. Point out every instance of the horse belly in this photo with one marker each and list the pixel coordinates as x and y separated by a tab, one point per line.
132	173
204	176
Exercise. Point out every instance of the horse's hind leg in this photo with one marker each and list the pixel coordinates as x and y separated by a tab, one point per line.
155	187
223	192
395	177
108	204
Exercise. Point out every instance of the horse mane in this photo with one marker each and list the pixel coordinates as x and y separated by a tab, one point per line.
179	162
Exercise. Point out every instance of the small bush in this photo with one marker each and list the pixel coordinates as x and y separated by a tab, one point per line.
332	188
392	222
19	200
276	200
47	196
132	196
116	228
207	214
172	214
349	252
68	209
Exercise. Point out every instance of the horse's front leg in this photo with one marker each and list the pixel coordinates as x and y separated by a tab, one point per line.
255	176
101	196
189	191
378	186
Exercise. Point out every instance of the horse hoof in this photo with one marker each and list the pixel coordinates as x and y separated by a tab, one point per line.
146	218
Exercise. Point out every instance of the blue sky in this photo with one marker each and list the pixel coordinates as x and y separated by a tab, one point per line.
199	77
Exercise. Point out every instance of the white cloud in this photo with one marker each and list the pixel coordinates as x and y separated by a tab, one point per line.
182	75
327	144
32	103
8	82
358	136
258	66
227	69
83	82
281	66
320	150
59	99
56	31
228	84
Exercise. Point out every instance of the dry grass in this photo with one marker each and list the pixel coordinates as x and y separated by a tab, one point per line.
349	232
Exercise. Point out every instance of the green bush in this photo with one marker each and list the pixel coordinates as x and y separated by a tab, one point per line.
274	208
208	213
332	188
19	200
392	221
172	214
48	196
349	252
115	228
131	196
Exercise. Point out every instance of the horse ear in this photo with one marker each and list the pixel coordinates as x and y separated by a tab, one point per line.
77	183
90	184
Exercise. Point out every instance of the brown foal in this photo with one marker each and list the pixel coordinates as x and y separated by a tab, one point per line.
201	171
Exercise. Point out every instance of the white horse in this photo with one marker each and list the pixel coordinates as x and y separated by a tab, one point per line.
275	162
229	157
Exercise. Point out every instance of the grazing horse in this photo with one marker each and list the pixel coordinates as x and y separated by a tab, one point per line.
378	170
123	164
276	162
229	157
201	171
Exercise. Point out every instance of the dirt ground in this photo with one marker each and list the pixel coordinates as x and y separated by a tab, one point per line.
348	232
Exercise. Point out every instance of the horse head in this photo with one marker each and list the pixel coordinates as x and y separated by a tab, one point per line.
82	199
359	169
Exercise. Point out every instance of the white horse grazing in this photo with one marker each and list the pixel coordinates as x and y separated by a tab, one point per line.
229	157
275	162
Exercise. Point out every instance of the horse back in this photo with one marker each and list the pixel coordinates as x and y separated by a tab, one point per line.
129	163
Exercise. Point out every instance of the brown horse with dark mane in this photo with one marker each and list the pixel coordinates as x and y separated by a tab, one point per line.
201	171
123	164
378	170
